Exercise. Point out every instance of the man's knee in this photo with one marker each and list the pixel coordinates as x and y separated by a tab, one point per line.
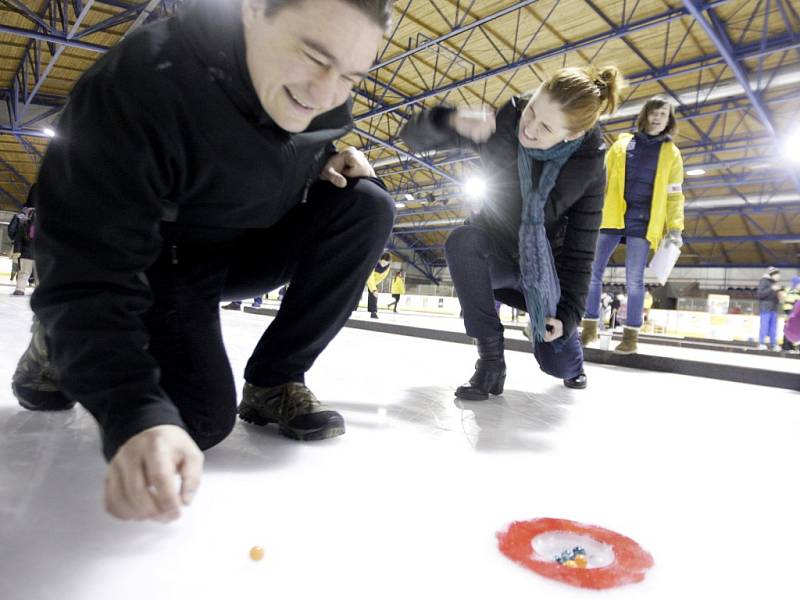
209	433
374	206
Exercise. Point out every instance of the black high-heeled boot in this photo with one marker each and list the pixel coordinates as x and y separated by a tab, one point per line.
490	371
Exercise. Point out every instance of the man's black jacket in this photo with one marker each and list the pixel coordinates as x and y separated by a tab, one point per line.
166	126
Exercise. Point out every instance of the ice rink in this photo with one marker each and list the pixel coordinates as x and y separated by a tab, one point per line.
407	504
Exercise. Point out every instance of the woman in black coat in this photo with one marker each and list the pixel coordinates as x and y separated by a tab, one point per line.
532	243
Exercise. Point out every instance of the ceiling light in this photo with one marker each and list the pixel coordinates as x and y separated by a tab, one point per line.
399	205
408	197
695	172
49	132
791	147
475	187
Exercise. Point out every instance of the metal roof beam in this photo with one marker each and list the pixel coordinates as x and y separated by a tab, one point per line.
457	31
614	33
52	38
715	31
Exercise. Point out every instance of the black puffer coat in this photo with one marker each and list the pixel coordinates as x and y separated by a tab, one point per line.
572	213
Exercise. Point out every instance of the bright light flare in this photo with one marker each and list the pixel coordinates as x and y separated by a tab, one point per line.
475	187
791	147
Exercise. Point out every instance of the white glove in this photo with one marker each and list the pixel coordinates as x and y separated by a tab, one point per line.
674	237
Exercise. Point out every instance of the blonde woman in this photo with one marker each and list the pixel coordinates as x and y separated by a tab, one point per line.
532	243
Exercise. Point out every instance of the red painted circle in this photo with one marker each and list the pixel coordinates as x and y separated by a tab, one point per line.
631	562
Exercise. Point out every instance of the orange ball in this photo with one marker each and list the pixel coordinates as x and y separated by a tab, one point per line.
256	553
581	561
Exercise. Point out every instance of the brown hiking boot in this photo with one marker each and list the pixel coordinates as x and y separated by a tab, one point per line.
34	382
589	331
628	345
294	408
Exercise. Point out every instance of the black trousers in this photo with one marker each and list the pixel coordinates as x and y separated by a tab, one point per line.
326	247
372	301
483	273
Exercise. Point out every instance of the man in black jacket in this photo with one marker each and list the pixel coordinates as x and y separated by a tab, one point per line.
187	171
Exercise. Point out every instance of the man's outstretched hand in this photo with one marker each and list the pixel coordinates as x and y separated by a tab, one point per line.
140	483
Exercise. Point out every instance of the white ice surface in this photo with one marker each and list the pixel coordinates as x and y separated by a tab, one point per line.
701	473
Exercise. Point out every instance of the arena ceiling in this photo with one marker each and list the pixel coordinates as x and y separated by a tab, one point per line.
732	67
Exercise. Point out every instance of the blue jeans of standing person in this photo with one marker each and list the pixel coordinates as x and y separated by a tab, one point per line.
635	261
481	271
769	327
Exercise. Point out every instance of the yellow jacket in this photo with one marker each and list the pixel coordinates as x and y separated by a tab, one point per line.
375	278
666	211
398	285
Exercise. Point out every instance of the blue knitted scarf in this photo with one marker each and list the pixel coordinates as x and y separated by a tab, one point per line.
537	266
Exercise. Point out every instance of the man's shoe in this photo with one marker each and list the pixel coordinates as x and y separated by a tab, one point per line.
576	383
233	306
18	293
34	383
373	315
294	408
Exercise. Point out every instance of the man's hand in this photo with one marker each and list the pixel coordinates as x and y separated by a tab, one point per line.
554	329
477	125
347	163
140	482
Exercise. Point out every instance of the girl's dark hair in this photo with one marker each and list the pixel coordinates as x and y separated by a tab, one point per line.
653	103
379	11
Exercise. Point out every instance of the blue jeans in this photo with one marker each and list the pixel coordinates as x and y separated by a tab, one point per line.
635	262
769	327
480	270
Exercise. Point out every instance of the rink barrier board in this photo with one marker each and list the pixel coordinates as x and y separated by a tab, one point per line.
660	364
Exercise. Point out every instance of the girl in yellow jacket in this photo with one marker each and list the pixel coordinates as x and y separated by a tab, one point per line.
378	274
398	288
643	204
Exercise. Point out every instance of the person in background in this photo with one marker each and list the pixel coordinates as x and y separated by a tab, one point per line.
398	289
643	205
648	304
616	304
532	243
790	298
769	294
605	305
237	304
378	274
791	329
21	230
